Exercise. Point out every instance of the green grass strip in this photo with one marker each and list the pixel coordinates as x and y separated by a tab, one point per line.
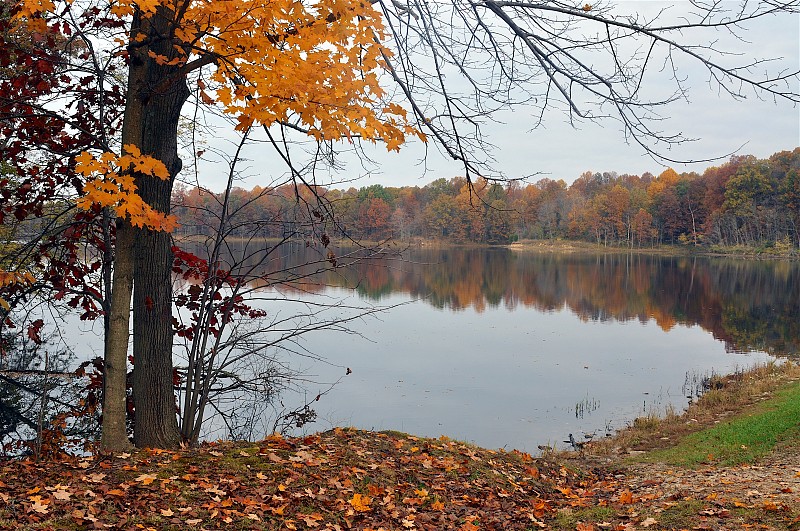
744	438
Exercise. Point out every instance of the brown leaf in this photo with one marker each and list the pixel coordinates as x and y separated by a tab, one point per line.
146	479
39	505
62	495
311	520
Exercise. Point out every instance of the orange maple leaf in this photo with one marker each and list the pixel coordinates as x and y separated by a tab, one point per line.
626	497
360	503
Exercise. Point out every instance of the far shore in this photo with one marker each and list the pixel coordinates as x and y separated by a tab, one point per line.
573	246
562	246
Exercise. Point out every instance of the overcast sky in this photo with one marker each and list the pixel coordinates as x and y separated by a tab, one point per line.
558	150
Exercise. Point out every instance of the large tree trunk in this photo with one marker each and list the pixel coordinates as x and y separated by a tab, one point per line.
156	94
153	389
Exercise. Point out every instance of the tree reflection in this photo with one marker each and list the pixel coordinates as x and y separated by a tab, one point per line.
750	305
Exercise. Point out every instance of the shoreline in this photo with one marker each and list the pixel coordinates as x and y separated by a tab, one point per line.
561	246
574	246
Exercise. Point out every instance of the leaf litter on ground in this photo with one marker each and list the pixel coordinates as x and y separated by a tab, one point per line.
352	479
341	479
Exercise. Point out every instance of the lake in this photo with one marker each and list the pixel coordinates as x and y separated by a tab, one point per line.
510	349
514	349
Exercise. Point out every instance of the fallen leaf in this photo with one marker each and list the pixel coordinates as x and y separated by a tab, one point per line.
311	520
62	495
146	479
626	497
39	505
360	503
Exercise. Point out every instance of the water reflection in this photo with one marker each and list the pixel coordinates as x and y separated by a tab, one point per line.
516	349
750	305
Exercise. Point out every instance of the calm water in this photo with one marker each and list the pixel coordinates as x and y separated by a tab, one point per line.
517	350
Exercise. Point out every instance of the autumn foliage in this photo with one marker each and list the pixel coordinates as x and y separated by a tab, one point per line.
744	201
65	103
274	61
110	184
91	98
349	479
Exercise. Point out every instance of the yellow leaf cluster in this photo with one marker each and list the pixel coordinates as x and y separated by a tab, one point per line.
111	184
31	8
15	277
291	60
313	63
360	503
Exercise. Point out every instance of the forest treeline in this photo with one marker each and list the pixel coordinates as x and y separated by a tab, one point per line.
746	201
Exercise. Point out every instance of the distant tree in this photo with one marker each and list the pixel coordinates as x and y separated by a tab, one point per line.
374	219
642	227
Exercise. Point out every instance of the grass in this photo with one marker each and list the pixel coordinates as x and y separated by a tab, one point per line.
570	518
783	250
742	439
676	515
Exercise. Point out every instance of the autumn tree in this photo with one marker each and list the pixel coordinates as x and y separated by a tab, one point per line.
55	102
335	44
642	227
314	69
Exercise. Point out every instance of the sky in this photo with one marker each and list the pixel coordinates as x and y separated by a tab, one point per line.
559	150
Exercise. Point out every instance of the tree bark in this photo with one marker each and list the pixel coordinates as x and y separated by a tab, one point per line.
156	94
163	94
114	430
